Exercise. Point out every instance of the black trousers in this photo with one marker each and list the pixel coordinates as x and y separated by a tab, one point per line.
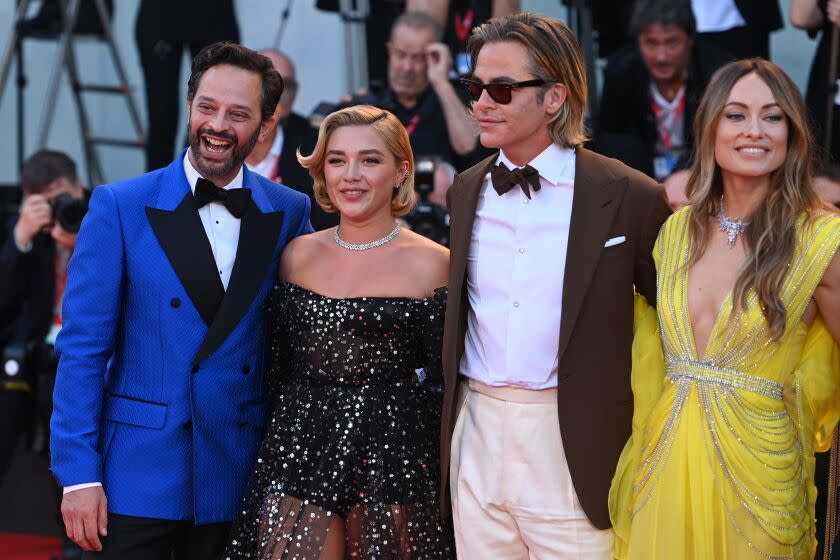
140	538
740	42
161	62
821	482
15	416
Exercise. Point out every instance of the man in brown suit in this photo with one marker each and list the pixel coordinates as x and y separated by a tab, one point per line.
548	242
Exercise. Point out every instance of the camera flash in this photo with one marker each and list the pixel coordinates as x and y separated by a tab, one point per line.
11	367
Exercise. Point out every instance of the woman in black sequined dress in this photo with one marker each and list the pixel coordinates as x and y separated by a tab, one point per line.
349	464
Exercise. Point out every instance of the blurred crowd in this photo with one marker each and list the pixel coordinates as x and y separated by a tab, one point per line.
657	57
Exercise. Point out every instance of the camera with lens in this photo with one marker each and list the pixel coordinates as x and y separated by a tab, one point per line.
68	212
426	218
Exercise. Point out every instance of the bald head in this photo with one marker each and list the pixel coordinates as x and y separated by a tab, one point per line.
284	66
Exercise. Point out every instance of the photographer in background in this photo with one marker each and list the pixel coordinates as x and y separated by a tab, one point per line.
421	95
652	89
274	157
33	263
429	217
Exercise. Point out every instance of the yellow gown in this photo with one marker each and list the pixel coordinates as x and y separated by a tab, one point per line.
718	466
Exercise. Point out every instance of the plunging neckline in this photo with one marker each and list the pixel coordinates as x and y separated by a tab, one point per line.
727	299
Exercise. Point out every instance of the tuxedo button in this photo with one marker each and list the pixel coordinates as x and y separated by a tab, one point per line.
516	304
246	369
187	425
175	302
195	368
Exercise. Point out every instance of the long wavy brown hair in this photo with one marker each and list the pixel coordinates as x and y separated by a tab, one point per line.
771	236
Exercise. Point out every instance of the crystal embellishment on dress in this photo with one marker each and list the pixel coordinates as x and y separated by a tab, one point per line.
732	226
722	421
352	438
365	246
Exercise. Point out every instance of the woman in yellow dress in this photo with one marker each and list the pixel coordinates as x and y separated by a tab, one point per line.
745	384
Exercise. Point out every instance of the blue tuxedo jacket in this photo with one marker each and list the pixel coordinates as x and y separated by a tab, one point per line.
160	388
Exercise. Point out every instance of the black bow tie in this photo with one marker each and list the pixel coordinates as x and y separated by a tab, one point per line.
504	179
235	200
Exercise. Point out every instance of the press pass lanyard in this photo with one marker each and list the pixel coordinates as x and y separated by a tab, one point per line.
666	125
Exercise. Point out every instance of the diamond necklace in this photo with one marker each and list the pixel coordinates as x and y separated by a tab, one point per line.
732	226
365	246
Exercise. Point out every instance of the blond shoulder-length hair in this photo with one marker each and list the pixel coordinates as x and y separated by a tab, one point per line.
556	57
389	129
771	237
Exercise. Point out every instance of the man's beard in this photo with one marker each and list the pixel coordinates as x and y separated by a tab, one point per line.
210	170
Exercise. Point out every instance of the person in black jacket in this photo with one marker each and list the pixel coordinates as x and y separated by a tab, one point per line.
652	89
820	18
740	27
275	157
163	29
33	264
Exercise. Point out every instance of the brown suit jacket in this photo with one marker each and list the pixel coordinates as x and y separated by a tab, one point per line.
595	402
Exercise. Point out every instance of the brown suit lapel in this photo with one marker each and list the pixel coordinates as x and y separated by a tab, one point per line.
462	207
597	196
462	200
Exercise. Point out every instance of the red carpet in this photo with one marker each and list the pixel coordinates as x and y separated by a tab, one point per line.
15	546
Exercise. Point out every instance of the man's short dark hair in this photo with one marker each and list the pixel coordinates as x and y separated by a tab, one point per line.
44	167
418	20
663	12
240	57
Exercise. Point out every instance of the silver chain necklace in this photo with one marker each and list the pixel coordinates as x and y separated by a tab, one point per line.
732	226
365	246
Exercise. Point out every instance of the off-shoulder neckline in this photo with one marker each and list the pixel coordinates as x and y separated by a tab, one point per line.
436	293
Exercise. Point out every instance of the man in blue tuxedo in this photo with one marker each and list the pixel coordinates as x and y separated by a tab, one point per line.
159	401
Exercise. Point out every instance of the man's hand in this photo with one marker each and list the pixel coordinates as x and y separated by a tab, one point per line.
35	215
85	514
439	62
63	237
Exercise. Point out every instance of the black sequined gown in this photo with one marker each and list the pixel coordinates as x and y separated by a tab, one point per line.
353	432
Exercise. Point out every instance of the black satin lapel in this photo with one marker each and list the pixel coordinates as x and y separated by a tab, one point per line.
595	202
182	237
258	234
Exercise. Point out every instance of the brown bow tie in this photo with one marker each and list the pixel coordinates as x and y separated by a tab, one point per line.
504	179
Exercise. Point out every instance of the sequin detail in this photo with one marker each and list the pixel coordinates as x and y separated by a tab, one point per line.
725	410
354	431
705	373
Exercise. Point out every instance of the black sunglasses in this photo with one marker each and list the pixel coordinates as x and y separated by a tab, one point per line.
500	92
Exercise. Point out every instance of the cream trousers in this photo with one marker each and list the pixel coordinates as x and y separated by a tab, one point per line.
512	495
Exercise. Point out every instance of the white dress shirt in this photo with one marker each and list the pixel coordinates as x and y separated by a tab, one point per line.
222	231
716	15
221	227
515	271
268	166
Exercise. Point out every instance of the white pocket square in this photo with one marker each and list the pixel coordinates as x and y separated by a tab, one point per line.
615	241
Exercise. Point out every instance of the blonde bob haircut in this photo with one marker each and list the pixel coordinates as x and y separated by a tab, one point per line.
556	57
392	133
